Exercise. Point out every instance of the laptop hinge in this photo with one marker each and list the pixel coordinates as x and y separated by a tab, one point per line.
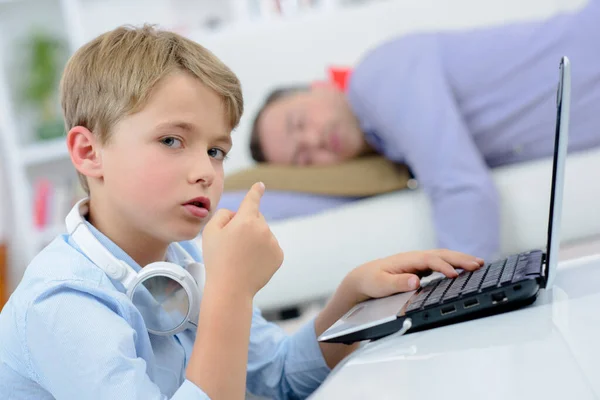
544	271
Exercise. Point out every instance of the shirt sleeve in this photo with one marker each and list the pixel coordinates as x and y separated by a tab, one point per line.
403	88
282	366
81	346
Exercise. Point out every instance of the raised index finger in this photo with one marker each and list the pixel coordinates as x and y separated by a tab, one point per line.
251	203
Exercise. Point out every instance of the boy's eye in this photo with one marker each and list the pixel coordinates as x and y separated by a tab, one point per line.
171	142
217	153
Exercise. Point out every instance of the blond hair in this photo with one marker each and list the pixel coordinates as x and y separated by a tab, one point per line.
113	75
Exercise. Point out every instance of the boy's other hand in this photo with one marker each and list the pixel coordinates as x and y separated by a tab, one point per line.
381	278
239	249
399	273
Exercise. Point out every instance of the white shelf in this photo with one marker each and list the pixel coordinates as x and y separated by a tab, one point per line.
271	23
46	235
45	152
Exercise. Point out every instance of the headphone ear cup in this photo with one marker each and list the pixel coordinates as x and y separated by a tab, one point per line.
197	272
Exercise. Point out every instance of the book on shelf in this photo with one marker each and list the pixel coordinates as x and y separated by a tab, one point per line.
52	201
3	244
3	275
3	206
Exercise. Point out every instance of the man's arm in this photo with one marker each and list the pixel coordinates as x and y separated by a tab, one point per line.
403	89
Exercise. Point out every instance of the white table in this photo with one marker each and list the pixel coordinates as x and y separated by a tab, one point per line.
548	350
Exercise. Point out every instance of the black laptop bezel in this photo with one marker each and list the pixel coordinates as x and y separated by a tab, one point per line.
559	107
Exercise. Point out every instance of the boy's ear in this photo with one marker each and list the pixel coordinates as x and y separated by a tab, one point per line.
85	152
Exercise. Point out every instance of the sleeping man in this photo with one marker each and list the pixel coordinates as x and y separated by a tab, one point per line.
450	105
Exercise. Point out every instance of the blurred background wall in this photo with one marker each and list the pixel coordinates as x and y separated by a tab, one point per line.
3	239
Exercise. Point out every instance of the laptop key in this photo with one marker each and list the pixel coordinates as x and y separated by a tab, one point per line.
432	300
521	269
511	261
444	285
475	280
418	301
424	294
454	291
415	305
534	267
425	291
451	295
509	270
522	265
497	266
456	288
491	279
438	293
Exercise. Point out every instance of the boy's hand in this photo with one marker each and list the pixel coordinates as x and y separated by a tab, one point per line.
398	273
239	249
384	277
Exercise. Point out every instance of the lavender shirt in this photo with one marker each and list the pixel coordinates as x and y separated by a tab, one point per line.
453	104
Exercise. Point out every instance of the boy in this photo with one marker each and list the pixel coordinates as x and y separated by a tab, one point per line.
149	116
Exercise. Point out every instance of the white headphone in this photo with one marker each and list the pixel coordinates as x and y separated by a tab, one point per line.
188	281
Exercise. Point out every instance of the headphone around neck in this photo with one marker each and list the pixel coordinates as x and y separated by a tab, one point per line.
166	294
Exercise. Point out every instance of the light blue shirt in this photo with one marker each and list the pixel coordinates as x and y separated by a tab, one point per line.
69	332
453	104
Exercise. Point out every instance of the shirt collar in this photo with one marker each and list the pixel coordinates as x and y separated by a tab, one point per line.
119	253
112	247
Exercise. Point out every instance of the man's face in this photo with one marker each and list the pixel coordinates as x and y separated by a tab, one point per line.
315	126
164	156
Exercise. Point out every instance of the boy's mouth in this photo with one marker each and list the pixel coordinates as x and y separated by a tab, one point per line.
202	202
198	206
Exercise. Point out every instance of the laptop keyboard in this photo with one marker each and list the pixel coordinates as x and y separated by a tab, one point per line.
499	273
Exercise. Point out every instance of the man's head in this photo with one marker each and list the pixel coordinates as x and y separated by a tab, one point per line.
306	125
149	116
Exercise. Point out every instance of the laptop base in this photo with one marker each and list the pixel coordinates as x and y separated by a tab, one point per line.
477	306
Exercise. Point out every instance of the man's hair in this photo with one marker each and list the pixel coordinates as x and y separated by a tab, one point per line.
113	75
256	149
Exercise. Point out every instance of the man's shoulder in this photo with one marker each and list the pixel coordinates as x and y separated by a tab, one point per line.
390	57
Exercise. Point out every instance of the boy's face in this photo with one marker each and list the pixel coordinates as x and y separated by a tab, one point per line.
161	158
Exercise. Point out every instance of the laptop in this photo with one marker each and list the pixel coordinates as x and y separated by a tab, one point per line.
500	286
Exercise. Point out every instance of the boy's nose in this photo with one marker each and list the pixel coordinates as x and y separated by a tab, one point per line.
203	171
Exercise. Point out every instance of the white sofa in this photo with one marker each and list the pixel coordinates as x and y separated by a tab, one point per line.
320	249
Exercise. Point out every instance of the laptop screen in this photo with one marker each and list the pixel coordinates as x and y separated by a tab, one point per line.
563	102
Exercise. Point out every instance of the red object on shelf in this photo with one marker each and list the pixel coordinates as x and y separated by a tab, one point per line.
3	275
338	77
41	203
